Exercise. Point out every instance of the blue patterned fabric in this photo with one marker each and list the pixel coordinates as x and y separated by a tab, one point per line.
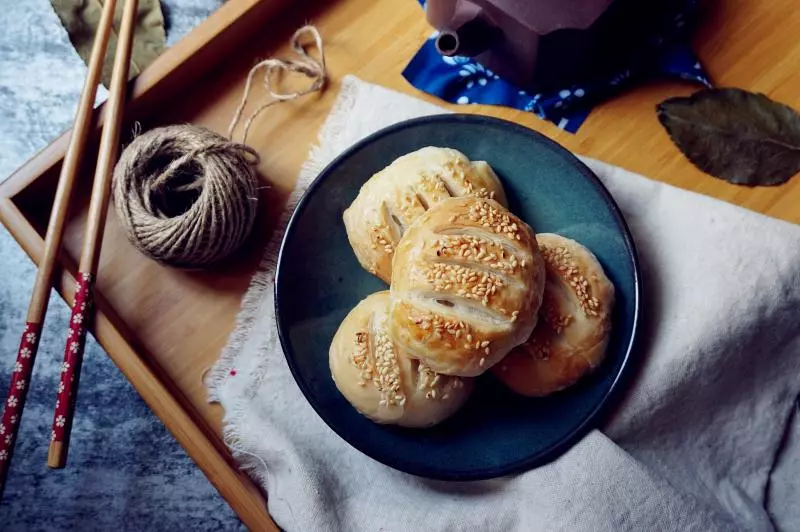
464	81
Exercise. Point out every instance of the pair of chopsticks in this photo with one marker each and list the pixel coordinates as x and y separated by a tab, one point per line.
81	308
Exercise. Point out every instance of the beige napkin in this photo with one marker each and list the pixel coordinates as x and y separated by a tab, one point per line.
692	446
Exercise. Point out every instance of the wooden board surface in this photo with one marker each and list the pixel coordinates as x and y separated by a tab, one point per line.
164	327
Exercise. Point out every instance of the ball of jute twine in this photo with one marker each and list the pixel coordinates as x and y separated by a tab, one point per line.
187	196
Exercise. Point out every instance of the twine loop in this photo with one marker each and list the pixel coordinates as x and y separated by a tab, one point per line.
303	63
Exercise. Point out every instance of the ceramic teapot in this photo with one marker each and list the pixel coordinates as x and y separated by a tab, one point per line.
544	44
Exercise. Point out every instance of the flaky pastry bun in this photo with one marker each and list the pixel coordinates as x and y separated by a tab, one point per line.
380	381
467	286
575	325
393	198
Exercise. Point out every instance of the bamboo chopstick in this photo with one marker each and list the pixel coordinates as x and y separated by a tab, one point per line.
26	355
93	236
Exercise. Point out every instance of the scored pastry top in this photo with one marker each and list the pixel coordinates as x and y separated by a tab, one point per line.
378	378
573	333
468	283
392	199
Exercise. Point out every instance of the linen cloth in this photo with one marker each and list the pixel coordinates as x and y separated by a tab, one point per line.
691	445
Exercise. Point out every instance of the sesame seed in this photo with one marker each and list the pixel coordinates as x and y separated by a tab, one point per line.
360	356
536	349
467	282
482	361
553	317
387	380
381	237
486	215
560	260
462	172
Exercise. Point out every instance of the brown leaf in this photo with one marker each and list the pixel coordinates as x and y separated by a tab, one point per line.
81	17
739	136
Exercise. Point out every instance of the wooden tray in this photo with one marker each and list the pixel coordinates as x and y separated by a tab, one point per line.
164	327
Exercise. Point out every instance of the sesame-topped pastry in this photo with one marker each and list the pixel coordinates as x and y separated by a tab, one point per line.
575	324
380	381
467	286
393	198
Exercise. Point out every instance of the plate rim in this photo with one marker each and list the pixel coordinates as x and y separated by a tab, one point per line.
609	397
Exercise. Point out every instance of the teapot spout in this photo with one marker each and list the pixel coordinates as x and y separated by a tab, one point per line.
468	32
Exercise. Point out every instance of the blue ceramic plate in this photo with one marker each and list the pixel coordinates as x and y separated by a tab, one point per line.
319	280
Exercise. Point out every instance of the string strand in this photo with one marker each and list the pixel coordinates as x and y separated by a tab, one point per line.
304	64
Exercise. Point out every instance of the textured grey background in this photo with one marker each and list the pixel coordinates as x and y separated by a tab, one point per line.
125	469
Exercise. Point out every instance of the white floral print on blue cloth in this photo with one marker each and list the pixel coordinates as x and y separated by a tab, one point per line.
462	80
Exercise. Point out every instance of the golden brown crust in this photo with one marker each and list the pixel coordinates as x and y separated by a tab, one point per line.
393	198
468	282
380	381
575	324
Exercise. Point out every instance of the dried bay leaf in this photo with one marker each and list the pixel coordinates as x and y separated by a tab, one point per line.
81	17
742	137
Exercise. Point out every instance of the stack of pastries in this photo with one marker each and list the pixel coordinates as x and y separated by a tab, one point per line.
472	289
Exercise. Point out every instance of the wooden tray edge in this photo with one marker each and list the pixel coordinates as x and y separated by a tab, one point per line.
235	487
203	45
200	47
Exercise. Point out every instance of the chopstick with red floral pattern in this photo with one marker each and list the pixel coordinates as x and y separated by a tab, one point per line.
23	368
92	240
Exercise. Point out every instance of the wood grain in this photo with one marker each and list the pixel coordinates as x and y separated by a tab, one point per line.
96	219
71	164
164	327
